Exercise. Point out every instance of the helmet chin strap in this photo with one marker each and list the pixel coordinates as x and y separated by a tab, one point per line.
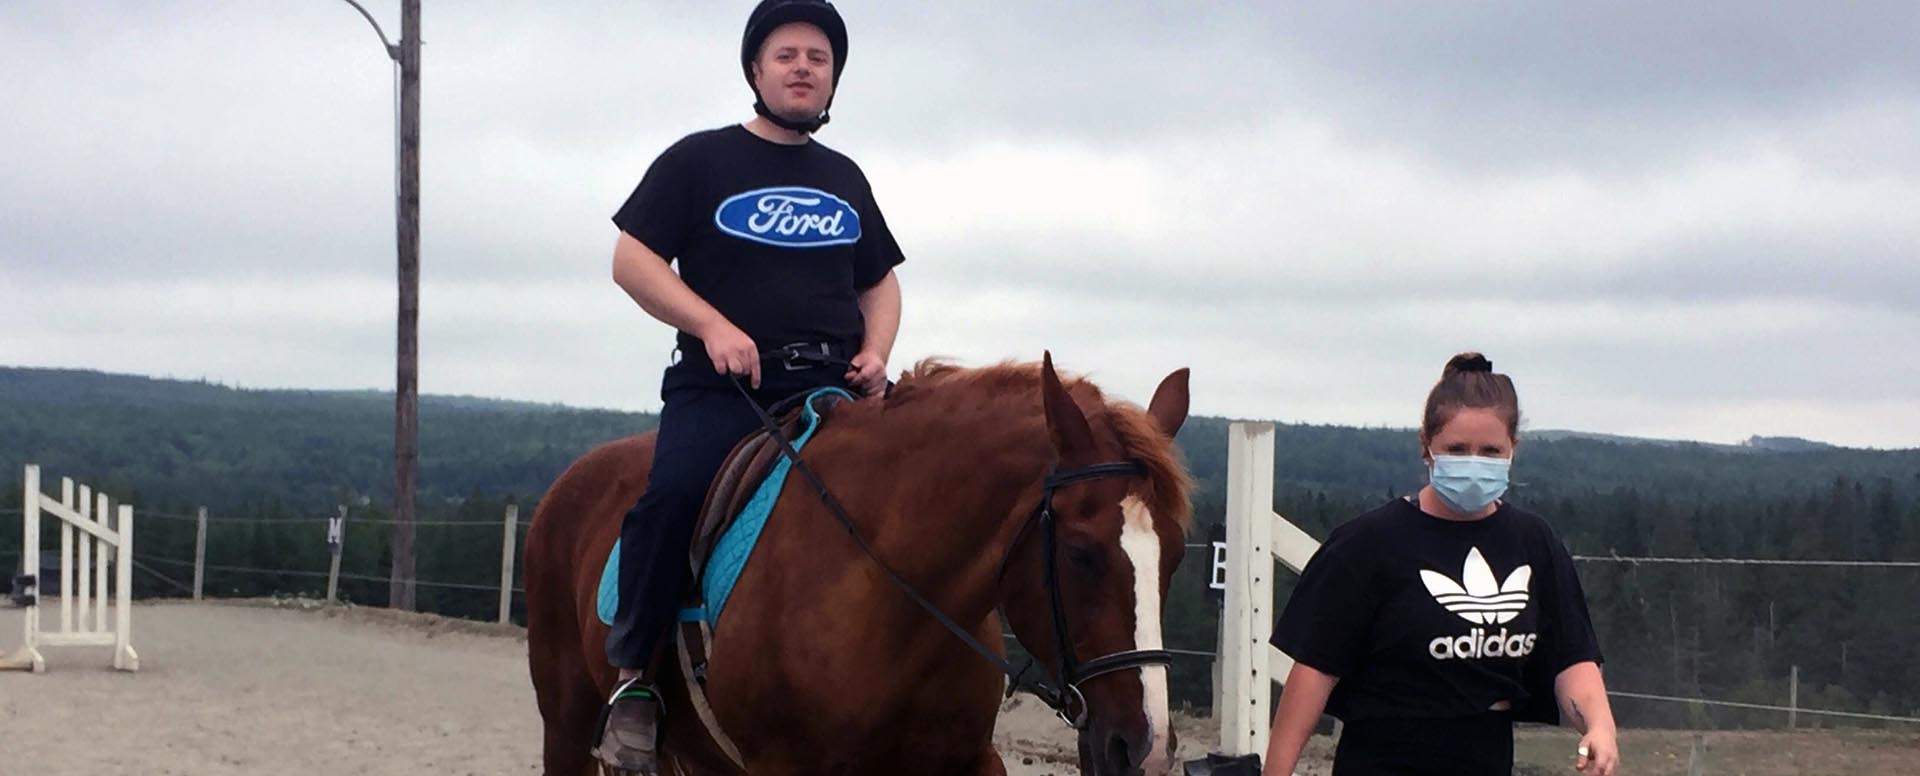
806	127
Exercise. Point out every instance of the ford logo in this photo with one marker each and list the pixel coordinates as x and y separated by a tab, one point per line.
789	217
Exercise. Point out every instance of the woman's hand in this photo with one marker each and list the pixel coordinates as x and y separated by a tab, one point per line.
1582	695
1599	753
1302	699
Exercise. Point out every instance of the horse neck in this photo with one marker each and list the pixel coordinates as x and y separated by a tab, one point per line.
942	499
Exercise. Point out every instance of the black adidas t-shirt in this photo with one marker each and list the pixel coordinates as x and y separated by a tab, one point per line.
781	239
1422	617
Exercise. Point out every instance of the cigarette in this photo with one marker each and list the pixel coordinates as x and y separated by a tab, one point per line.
1583	750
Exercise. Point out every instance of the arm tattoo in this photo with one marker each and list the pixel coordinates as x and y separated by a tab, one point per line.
1573	713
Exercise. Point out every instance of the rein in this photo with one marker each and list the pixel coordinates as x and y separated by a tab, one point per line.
1066	697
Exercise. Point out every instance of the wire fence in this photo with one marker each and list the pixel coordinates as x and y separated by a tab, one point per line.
1703	561
147	563
1763	707
214	550
493	588
313	520
1898	564
1662	698
215	519
142	566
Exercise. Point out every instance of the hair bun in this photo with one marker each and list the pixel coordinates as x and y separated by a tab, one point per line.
1469	362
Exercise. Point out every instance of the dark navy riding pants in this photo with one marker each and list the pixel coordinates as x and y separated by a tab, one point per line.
700	422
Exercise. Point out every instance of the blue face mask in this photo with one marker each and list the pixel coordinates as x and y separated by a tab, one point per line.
1469	483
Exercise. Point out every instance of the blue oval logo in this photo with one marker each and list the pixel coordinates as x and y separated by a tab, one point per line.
789	217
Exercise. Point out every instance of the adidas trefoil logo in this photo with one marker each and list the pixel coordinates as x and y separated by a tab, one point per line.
1480	600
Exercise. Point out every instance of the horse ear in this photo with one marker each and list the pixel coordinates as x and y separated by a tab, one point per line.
1065	422
1169	406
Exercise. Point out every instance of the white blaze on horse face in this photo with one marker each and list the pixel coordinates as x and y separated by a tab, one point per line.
1142	546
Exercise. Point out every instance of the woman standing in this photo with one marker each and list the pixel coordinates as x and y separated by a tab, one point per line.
1433	623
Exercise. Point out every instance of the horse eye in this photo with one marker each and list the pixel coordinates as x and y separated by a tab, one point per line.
1087	560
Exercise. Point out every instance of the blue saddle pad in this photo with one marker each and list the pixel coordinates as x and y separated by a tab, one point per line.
730	553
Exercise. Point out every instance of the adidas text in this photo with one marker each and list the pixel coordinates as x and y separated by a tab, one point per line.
1478	644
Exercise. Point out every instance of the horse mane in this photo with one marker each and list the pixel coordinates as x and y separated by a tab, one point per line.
1167	484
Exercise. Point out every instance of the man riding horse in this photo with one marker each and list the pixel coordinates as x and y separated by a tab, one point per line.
864	635
783	250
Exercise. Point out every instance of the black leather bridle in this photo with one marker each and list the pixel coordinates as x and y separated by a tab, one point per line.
1073	673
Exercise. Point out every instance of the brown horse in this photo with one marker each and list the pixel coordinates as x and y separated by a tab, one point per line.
823	665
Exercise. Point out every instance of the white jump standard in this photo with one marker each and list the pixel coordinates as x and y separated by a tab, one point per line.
88	528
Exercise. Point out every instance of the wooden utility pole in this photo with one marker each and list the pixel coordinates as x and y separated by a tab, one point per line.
406	393
406	389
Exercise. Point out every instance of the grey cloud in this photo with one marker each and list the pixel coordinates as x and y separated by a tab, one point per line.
1832	267
1616	58
1760	265
1483	85
243	147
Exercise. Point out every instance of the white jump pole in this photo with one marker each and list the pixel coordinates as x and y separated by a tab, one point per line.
27	657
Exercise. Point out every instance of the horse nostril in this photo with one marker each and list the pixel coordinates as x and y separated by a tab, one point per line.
1119	756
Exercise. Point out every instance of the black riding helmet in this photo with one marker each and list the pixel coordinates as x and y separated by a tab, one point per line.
770	14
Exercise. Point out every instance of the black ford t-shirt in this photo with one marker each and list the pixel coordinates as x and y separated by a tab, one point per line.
1422	617
781	239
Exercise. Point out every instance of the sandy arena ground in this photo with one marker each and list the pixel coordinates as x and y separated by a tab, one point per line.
246	689
250	689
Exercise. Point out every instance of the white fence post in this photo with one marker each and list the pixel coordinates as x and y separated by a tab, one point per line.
1256	537
102	513
506	561
28	656
1245	687
336	541
124	657
66	550
1793	698
200	554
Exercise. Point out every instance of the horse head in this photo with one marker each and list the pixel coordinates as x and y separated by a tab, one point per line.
1086	579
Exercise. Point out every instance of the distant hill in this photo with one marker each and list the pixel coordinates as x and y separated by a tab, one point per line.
194	442
227	448
1557	434
1784	444
188	442
1715	631
1752	444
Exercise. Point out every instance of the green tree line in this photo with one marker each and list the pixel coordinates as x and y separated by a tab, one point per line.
270	465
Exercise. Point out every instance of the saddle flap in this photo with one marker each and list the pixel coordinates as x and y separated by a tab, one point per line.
747	468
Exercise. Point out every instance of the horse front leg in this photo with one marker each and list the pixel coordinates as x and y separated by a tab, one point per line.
990	763
671	765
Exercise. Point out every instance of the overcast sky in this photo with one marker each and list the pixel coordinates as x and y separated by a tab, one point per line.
1698	222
